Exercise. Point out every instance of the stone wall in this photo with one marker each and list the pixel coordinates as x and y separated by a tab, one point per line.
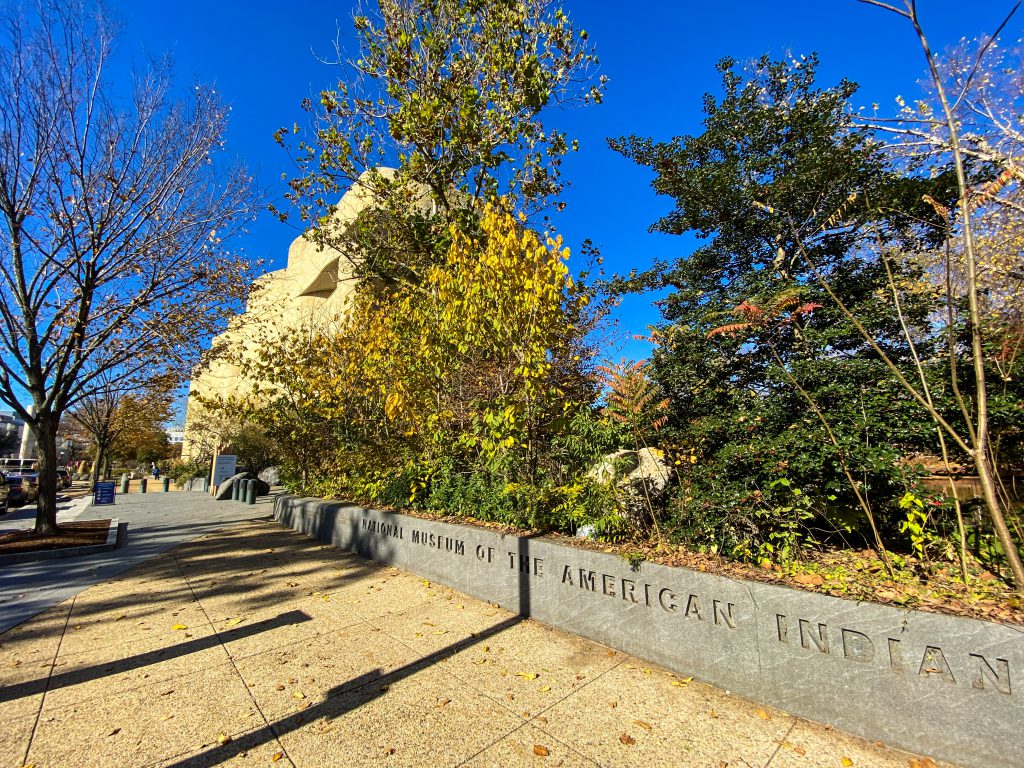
937	685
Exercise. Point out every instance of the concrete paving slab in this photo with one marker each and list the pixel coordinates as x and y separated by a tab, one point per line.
263	631
248	749
26	659
144	725
113	668
425	719
529	747
440	625
288	680
536	665
14	736
634	715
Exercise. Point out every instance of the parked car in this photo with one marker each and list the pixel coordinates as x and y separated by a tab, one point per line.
64	478
22	482
5	493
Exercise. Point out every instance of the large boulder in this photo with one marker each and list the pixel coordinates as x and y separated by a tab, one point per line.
224	489
639	478
271	475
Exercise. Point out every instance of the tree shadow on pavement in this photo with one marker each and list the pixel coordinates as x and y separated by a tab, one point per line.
338	701
78	676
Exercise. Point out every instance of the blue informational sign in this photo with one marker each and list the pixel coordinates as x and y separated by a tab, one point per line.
103	493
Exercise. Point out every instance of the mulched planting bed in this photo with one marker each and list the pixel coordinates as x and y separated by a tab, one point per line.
76	534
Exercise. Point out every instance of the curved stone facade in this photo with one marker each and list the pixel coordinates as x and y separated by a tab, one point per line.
312	292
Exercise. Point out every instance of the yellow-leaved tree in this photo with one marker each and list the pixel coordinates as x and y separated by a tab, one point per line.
448	392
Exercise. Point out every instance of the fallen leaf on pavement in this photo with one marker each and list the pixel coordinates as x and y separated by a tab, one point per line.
627	739
541	751
223	738
298	695
277	756
179	626
545	688
644	724
921	762
114	732
847	762
233	622
527	675
763	714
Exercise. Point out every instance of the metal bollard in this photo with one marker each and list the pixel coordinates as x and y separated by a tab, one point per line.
250	492
236	487
142	485
124	483
167	484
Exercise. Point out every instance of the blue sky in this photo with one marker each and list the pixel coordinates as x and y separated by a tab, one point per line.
659	56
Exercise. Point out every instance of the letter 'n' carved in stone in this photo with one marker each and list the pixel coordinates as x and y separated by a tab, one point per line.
982	669
820	639
723	613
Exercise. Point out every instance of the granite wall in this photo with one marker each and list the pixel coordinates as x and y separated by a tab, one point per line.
936	685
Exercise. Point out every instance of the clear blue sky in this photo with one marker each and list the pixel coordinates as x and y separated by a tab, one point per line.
658	54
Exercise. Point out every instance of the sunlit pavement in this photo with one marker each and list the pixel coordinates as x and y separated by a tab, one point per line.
256	646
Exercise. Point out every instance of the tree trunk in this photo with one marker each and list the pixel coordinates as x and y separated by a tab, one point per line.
986	474
97	465
45	431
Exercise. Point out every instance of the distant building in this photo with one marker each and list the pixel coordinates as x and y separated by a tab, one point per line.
12	431
175	435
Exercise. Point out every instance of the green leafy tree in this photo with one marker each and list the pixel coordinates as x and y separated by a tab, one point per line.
775	142
452	94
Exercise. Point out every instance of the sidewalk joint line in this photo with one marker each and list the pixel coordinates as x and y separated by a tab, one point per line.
49	675
778	746
234	666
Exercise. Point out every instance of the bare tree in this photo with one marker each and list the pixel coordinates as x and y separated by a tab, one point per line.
974	438
116	408
113	217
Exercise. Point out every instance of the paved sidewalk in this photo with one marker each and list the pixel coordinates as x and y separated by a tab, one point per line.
256	646
156	522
